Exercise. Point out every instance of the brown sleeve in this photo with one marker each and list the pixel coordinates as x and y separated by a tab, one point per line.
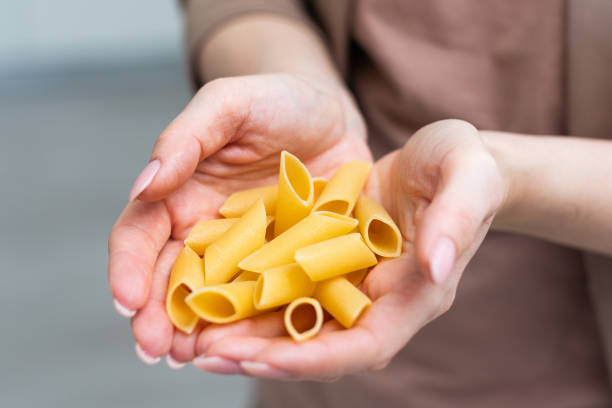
202	17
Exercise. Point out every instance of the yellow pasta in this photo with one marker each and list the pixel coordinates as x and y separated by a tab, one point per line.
303	318
342	300
295	193
205	232
334	257
316	227
223	303
318	183
248	234
186	276
379	231
238	203
356	277
343	189
246	276
281	285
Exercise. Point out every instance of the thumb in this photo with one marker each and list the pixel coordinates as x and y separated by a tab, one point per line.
454	224
208	122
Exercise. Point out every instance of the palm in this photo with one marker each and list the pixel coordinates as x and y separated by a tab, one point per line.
284	113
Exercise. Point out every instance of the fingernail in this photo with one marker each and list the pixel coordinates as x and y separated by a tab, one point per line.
442	260
144	357
263	370
173	364
144	179
218	365
122	310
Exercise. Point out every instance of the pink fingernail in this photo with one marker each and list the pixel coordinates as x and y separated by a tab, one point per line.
218	365
122	310
144	179
263	370
442	260
173	364
144	357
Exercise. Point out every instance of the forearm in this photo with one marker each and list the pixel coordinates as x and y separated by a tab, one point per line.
559	188
265	43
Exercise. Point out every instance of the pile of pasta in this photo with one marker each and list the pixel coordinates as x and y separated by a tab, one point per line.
306	243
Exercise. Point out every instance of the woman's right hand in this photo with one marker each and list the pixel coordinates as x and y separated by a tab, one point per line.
228	138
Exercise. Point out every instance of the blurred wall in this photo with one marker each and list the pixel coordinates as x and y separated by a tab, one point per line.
53	35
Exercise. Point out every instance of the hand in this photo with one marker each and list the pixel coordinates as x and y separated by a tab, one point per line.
228	138
444	188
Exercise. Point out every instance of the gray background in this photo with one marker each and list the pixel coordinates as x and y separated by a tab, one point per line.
85	88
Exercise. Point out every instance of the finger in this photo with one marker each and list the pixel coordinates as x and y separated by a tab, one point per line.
210	120
381	332
267	325
183	346
134	244
465	199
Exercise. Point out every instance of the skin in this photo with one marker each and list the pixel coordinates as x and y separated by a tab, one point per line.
445	188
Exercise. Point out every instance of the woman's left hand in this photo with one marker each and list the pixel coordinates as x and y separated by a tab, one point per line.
443	188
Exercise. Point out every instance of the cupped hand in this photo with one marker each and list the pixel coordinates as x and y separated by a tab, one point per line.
443	188
228	138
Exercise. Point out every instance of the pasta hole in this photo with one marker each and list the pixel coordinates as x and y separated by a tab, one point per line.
382	236
335	206
215	304
258	290
298	177
303	317
184	315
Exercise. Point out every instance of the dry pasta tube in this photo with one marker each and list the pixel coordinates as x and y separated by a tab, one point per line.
224	303
186	276
279	286
377	228
316	227
343	189
357	277
342	300
248	234
238	203
335	257
318	183
205	232
303	318
246	276
295	193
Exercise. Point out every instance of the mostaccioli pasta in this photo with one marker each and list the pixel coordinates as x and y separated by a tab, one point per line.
295	193
223	255
316	227
186	275
239	202
342	190
305	244
335	257
303	318
377	228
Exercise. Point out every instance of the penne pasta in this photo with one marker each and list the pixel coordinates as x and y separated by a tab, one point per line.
379	231
316	227
343	189
186	275
295	193
318	183
357	277
303	318
335	257
239	202
246	276
223	303
281	285
342	300
245	236
207	231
